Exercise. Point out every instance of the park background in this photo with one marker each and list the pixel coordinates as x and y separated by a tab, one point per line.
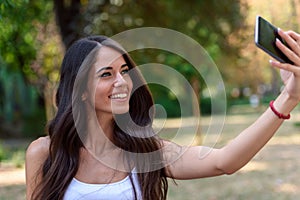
34	35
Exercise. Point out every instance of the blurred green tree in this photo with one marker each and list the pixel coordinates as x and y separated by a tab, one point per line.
25	50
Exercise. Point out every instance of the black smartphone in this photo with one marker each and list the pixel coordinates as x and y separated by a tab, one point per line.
265	38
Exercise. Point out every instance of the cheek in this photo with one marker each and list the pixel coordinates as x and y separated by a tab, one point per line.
129	84
101	93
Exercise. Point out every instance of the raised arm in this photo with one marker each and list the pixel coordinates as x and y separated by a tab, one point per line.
243	148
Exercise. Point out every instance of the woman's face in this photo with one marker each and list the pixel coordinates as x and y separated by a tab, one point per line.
111	83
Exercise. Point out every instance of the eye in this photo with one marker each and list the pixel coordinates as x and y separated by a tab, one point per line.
105	74
125	71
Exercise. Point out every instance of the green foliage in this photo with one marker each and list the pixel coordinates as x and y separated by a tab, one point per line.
18	33
19	105
210	22
11	155
206	106
170	104
2	153
19	44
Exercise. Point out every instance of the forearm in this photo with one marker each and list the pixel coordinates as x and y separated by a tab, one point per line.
244	147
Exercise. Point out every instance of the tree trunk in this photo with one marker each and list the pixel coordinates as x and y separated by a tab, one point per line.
68	19
49	99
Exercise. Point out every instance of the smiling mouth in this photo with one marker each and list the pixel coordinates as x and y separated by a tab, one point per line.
118	96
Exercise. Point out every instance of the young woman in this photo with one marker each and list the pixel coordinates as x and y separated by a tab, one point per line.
101	144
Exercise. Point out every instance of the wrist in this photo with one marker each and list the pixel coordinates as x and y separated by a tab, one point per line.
278	114
285	103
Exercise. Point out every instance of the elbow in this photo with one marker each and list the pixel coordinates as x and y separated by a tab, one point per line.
229	165
227	169
230	171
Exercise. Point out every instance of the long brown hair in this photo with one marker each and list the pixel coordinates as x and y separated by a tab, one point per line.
62	162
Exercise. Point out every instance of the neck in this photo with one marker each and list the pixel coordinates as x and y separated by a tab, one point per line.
100	134
99	143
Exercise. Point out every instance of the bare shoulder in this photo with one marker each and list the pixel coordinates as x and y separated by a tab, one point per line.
38	149
171	146
36	154
172	151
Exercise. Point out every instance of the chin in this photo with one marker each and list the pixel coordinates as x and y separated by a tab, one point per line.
120	111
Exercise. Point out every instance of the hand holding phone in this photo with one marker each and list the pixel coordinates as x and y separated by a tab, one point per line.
265	38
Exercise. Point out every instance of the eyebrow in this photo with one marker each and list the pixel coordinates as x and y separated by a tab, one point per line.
110	68
102	69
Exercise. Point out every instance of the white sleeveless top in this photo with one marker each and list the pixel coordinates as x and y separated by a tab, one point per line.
121	190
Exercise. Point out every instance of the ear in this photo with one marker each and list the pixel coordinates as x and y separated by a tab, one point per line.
84	96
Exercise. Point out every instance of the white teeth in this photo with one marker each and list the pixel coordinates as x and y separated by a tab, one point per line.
118	96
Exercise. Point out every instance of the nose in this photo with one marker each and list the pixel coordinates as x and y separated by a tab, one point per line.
119	81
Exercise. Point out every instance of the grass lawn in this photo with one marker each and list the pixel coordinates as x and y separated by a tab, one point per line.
273	174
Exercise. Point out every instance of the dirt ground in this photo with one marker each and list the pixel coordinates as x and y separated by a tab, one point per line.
12	183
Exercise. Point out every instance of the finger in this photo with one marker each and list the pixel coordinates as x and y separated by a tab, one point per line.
292	54
293	35
286	66
292	43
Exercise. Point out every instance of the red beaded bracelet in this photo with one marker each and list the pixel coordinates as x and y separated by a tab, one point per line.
278	114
